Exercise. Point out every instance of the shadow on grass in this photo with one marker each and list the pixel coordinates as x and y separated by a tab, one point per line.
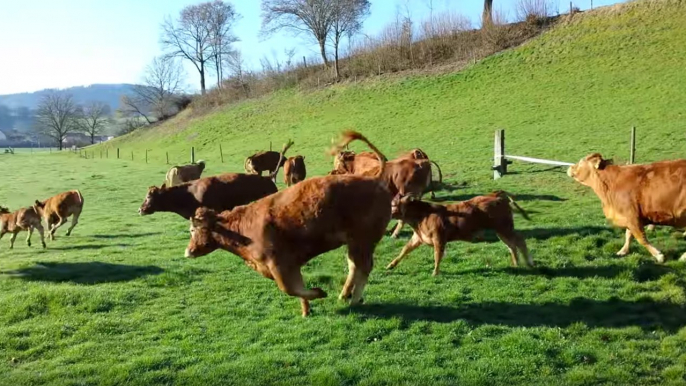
643	273
86	246
489	236
644	313
84	273
517	197
126	235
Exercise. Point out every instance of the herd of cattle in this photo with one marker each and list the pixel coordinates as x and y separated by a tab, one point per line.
277	232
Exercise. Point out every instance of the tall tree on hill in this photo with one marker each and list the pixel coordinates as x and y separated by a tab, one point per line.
221	19
93	118
56	116
314	17
197	34
487	17
347	17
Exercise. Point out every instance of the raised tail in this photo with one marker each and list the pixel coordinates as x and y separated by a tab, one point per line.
281	158
509	197
351	135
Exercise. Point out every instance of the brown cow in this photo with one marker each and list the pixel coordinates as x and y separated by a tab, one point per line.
25	219
278	234
294	170
436	225
264	161
634	196
178	175
55	210
222	192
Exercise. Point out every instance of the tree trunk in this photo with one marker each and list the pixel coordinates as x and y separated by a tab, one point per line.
219	73
335	57
322	49
202	78
92	138
59	144
487	17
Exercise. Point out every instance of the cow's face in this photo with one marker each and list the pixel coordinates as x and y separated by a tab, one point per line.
398	206
151	201
340	160
419	154
587	167
202	239
4	210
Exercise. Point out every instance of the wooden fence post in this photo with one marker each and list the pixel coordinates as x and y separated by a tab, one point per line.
270	145
100	153
632	155
499	161
117	153
146	156
131	155
167	158
192	154
221	154
107	153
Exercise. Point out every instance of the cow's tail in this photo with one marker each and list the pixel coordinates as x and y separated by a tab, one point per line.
440	176
514	204
281	157
349	136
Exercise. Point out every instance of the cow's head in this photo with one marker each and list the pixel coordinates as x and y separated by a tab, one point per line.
151	203
202	228
588	167
418	154
4	210
341	160
399	206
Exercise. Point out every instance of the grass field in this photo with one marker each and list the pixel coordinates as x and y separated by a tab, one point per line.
116	303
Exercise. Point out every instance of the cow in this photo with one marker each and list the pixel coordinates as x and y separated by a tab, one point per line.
294	170
264	161
177	175
436	225
57	209
25	219
348	162
280	233
222	192
633	196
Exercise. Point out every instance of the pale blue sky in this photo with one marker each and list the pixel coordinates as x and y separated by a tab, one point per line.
64	43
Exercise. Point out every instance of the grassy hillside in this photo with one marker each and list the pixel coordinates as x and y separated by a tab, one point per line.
577	88
116	303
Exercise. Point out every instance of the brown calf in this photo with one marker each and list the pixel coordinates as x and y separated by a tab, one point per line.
186	173
294	170
278	234
57	209
634	196
266	161
25	219
436	225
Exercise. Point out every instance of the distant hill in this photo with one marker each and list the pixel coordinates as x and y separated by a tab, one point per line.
107	93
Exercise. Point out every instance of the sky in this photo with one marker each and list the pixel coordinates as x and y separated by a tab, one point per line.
65	43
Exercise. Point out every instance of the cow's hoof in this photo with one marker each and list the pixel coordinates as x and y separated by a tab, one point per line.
660	258
622	253
320	293
390	266
28	243
44	246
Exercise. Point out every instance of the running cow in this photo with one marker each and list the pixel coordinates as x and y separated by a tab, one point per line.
264	161
294	170
278	234
177	175
57	209
436	225
25	219
635	196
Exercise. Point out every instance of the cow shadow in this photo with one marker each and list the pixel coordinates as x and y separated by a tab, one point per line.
488	236
645	313
643	273
516	197
86	246
126	235
84	273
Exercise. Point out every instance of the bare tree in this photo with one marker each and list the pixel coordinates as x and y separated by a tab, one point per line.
314	17
56	116
236	64
347	16
156	96
221	17
487	17
93	118
200	35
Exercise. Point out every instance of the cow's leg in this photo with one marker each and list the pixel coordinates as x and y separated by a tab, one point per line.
349	281
521	243
509	239
627	243
363	258
291	282
28	238
41	232
439	251
74	221
639	234
12	238
398	227
411	245
651	227
60	221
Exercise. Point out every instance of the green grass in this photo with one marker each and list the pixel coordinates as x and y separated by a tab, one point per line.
116	303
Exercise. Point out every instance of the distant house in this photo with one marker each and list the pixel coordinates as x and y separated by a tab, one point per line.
76	139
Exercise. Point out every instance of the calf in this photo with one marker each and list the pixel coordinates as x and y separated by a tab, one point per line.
294	170
436	225
222	192
278	234
634	196
186	173
264	161
25	219
57	209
